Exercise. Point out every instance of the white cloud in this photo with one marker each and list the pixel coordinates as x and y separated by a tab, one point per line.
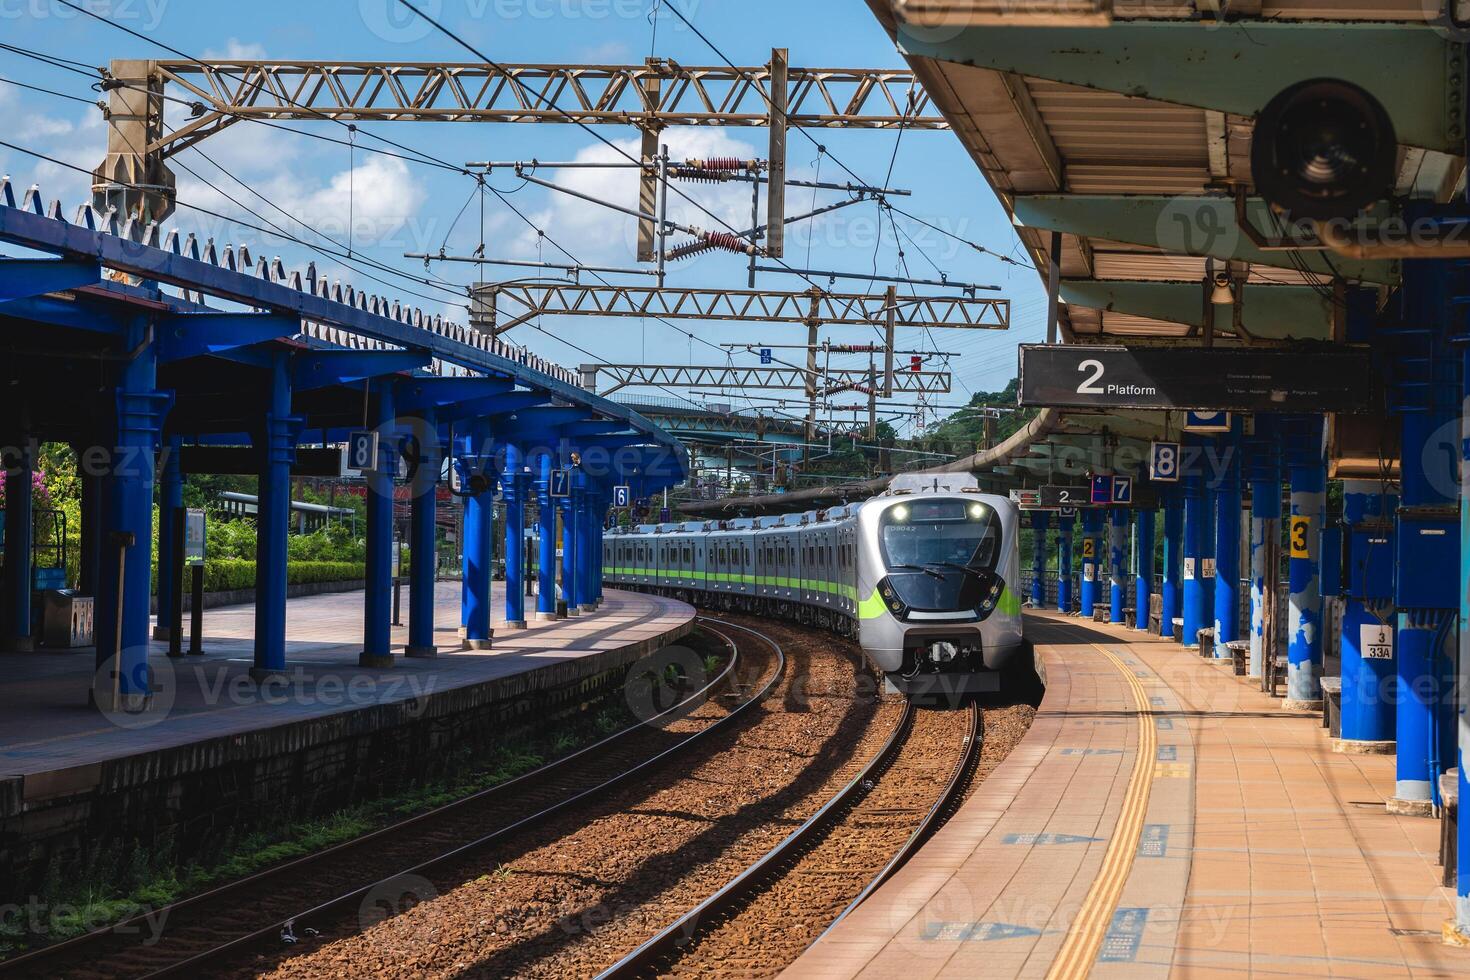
236	50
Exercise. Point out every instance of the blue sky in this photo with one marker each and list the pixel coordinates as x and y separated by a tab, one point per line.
399	207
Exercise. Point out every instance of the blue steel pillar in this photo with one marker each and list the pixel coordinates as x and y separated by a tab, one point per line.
567	506
513	488
92	509
1461	924
1427	390
546	539
1117	567
1308	474
377	628
18	545
582	505
1143	566
479	512
1091	554
1040	522
1368	676
1171	593
423	542
273	519
1227	543
1193	610
1264	462
123	621
1064	562
170	502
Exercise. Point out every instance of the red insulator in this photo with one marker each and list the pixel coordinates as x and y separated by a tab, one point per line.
727	241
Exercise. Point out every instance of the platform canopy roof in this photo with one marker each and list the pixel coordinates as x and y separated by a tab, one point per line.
219	318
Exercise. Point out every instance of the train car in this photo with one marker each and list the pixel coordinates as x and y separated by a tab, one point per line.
922	576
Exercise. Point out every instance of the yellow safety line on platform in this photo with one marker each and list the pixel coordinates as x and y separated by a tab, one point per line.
1084	940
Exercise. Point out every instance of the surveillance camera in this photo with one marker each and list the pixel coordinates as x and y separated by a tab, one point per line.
1323	148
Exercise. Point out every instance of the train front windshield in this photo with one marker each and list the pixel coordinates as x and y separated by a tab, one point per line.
940	553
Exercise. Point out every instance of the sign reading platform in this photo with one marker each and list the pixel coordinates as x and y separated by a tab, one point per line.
1058	496
1328	379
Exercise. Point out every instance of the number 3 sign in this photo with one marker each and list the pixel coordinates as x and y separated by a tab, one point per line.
1301	537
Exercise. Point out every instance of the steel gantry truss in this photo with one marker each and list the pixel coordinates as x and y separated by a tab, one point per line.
768	378
812	307
657	94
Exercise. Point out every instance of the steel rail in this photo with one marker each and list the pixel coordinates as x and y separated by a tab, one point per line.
954	792
71	947
668	941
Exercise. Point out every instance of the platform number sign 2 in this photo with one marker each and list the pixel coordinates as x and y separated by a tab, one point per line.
1301	537
1163	462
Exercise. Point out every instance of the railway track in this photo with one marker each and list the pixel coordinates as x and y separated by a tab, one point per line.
307	895
716	932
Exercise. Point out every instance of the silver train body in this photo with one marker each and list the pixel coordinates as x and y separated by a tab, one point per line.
924	577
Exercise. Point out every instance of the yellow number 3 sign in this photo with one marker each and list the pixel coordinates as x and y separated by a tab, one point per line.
1301	528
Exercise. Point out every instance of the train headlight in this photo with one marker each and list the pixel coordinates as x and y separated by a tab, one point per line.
901	512
992	595
890	598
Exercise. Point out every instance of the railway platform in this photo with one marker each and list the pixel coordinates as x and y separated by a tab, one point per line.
1161	818
216	743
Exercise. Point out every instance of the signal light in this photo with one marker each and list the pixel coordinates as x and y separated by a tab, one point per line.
1323	149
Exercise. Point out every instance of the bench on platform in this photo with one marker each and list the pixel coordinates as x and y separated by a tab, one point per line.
1273	671
1240	655
1449	817
1332	705
1156	614
1206	640
1179	629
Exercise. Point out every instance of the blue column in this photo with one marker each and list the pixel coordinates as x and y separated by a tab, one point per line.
1064	562
1264	461
1462	709
170	501
1308	474
567	507
599	524
546	537
1368	681
513	489
423	542
1091	558
90	533
19	529
1117	566
278	451
129	527
1143	566
1227	543
479	511
1040	522
1171	590
1193	610
377	629
582	505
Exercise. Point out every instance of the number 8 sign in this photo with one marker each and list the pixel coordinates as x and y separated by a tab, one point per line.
1163	462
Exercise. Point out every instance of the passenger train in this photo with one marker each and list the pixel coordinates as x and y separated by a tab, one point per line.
923	576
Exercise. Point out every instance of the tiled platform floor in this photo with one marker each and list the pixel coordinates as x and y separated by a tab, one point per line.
46	724
1258	851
